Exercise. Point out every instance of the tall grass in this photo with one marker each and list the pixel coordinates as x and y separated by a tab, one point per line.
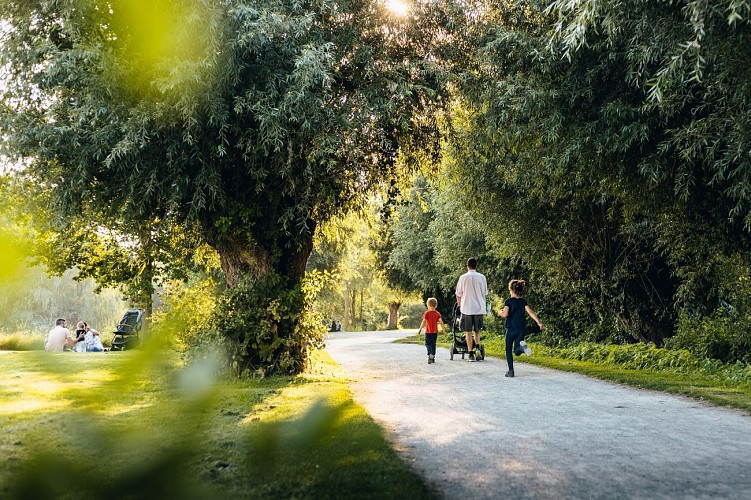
21	341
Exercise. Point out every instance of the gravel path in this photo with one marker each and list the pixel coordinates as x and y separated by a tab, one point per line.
471	433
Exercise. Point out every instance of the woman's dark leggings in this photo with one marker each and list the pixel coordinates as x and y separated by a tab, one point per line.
430	341
513	337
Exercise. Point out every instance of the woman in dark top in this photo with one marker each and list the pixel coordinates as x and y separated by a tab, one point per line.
513	310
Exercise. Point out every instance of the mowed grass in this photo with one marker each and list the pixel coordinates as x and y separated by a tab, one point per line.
140	425
700	386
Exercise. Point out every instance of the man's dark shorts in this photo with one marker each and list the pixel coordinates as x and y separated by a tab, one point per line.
472	322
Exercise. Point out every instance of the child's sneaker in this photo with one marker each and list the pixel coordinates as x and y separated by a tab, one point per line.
526	348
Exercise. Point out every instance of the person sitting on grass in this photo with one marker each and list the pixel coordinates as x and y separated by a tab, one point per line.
79	336
430	321
91	340
513	310
59	337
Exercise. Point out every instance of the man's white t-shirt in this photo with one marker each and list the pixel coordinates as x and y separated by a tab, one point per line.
472	288
56	339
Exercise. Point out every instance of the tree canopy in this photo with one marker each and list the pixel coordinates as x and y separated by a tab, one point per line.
253	121
601	149
608	145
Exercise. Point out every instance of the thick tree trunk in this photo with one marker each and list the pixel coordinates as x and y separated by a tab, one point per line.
295	259
393	323
241	259
265	304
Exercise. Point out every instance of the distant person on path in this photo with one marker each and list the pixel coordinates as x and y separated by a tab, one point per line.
513	310
338	326
471	293
59	337
430	321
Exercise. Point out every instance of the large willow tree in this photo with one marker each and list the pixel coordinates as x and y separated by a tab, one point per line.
608	143
251	120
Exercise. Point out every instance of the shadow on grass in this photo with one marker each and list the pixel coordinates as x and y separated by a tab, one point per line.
140	425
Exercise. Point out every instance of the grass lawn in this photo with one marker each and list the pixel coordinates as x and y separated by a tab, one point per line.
696	385
139	425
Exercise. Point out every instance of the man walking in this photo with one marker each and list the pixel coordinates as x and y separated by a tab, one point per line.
471	291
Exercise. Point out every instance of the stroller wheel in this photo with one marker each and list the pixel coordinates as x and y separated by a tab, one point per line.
452	349
480	353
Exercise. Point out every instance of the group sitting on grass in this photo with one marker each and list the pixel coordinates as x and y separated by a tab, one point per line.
84	339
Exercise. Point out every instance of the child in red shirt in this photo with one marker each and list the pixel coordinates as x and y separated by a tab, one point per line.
430	321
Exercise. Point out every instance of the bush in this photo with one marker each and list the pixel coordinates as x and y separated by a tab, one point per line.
185	318
722	336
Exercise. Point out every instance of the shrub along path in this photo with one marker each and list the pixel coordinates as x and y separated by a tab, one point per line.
471	433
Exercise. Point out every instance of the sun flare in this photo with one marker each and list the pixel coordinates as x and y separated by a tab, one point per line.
398	7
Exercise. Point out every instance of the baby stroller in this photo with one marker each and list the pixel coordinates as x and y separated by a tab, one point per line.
459	342
127	332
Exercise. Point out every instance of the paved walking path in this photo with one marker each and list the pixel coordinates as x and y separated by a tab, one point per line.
471	433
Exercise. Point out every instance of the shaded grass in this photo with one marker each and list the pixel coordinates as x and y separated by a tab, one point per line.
704	387
140	425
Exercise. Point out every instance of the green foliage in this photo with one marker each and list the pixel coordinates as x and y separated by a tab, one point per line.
255	315
597	145
431	235
278	116
649	357
252	122
134	259
184	319
410	314
35	300
356	291
724	336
